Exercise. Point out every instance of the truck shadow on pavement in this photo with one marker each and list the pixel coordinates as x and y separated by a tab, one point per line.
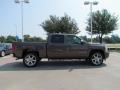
49	65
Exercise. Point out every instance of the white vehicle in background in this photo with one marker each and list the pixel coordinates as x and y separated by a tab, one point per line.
5	49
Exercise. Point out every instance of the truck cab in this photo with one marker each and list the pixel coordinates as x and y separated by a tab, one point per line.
66	46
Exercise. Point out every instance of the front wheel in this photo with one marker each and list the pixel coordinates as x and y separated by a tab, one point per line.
30	60
96	59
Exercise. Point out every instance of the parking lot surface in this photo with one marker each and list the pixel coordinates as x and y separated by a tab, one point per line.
67	75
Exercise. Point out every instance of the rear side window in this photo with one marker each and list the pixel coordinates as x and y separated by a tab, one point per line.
57	39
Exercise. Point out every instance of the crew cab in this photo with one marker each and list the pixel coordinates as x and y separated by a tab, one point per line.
60	46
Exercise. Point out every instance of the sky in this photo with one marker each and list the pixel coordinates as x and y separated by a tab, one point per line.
37	11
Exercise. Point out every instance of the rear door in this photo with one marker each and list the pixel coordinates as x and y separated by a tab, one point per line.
56	47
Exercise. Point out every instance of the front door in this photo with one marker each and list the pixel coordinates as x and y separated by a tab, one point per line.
76	49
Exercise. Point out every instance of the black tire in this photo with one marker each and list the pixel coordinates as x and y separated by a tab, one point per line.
2	53
96	59
30	60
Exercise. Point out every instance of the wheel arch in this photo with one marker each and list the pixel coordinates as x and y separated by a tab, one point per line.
97	50
26	51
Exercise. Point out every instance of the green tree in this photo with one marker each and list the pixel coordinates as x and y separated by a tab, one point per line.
115	39
103	23
60	25
37	39
28	38
10	39
2	39
107	39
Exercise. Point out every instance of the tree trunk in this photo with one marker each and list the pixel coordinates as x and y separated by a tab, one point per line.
100	38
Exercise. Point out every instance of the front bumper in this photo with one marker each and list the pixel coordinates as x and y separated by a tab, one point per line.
106	55
0	52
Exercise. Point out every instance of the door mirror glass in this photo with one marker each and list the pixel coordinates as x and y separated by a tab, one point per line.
83	42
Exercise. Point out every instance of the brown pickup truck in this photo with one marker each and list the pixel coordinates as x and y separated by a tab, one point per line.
60	46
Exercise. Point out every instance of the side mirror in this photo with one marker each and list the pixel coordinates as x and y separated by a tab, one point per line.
83	42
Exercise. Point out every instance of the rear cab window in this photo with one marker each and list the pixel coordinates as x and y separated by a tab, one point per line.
57	39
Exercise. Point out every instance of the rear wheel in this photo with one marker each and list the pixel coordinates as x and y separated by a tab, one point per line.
30	60
96	58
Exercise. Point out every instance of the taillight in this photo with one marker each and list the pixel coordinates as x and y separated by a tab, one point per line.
13	47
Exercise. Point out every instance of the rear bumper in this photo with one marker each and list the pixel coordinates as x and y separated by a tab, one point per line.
17	57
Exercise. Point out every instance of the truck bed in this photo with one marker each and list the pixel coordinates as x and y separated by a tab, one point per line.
21	47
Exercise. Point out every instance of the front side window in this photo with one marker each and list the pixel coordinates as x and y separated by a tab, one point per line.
57	39
70	39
